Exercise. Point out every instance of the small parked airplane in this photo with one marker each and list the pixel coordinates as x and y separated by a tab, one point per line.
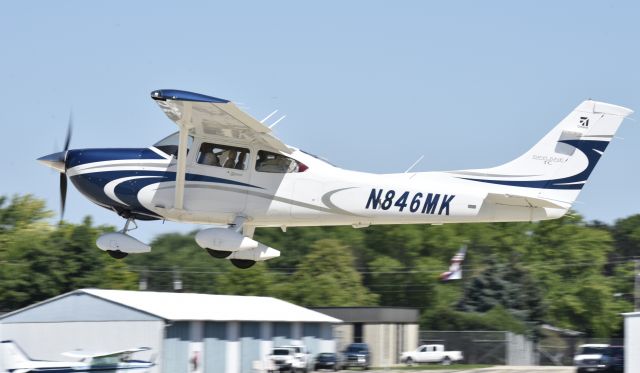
225	167
455	269
14	360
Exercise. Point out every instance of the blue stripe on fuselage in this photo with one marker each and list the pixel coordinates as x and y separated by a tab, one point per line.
78	157
92	186
592	149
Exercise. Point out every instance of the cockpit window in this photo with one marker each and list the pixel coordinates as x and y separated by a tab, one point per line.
170	144
223	156
278	163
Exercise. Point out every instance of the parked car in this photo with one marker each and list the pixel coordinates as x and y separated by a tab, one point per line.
281	359
430	354
357	355
328	360
599	358
302	361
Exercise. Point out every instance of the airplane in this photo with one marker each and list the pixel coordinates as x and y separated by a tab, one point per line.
223	167
15	360
455	269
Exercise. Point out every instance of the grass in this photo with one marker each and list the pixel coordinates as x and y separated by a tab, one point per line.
437	367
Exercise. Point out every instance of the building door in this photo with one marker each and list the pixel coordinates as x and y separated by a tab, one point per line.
249	345
358	333
215	347
176	348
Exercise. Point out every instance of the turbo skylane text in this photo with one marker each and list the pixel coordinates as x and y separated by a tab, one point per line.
417	203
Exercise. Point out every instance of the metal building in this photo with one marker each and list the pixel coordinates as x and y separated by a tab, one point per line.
198	333
631	342
387	330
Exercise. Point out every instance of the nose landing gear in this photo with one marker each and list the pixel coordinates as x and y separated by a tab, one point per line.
119	244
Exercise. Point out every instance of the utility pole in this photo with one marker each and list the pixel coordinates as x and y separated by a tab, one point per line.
177	280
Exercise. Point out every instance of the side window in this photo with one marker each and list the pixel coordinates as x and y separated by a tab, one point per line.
423	349
277	163
223	156
169	144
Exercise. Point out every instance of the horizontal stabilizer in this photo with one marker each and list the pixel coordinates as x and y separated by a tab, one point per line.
524	201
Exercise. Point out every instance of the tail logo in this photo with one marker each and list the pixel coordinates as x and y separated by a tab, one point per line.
584	122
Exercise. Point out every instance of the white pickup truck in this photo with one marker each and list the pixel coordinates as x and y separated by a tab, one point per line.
430	354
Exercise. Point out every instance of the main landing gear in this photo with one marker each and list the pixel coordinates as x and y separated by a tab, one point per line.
235	244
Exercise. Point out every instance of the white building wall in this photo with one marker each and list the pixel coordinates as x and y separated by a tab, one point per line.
47	341
632	343
411	337
233	347
343	335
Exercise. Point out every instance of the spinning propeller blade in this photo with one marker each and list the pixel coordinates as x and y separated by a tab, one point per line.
63	175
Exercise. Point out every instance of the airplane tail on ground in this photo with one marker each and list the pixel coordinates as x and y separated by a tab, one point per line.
558	166
455	269
11	356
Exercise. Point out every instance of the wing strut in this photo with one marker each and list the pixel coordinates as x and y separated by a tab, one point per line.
182	157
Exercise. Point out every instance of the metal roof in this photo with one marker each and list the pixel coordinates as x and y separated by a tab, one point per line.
190	306
394	315
168	306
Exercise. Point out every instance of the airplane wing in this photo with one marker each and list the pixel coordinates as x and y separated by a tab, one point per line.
206	115
79	354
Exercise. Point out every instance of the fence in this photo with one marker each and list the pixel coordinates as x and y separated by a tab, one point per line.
485	347
560	350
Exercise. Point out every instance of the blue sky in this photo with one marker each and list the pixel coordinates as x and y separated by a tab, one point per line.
370	85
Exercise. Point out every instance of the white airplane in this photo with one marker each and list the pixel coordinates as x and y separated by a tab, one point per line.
225	167
15	360
455	269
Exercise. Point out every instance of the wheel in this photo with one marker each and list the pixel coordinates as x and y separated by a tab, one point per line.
446	361
117	254
243	263
218	253
409	361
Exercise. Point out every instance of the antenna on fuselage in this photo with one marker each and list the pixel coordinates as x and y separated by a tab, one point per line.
277	121
414	164
269	116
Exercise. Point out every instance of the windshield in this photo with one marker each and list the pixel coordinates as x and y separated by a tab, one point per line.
590	350
356	349
318	158
170	143
281	351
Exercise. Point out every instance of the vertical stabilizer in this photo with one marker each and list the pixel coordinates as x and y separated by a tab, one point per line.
558	166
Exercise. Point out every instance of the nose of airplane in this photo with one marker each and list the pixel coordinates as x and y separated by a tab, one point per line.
55	161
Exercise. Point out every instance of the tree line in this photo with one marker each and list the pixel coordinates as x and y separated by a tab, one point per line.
568	272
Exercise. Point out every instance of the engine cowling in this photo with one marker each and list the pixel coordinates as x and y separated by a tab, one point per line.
224	239
117	241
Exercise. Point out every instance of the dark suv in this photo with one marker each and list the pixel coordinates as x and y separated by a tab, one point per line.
357	355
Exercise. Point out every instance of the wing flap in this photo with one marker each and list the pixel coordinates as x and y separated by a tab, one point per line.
78	354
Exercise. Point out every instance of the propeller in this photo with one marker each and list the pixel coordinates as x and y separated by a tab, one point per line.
57	161
63	175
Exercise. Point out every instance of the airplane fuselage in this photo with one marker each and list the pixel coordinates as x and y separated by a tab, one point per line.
141	183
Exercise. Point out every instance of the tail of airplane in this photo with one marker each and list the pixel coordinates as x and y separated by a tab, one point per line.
455	269
557	167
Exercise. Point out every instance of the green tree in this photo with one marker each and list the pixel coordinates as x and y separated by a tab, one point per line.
326	277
